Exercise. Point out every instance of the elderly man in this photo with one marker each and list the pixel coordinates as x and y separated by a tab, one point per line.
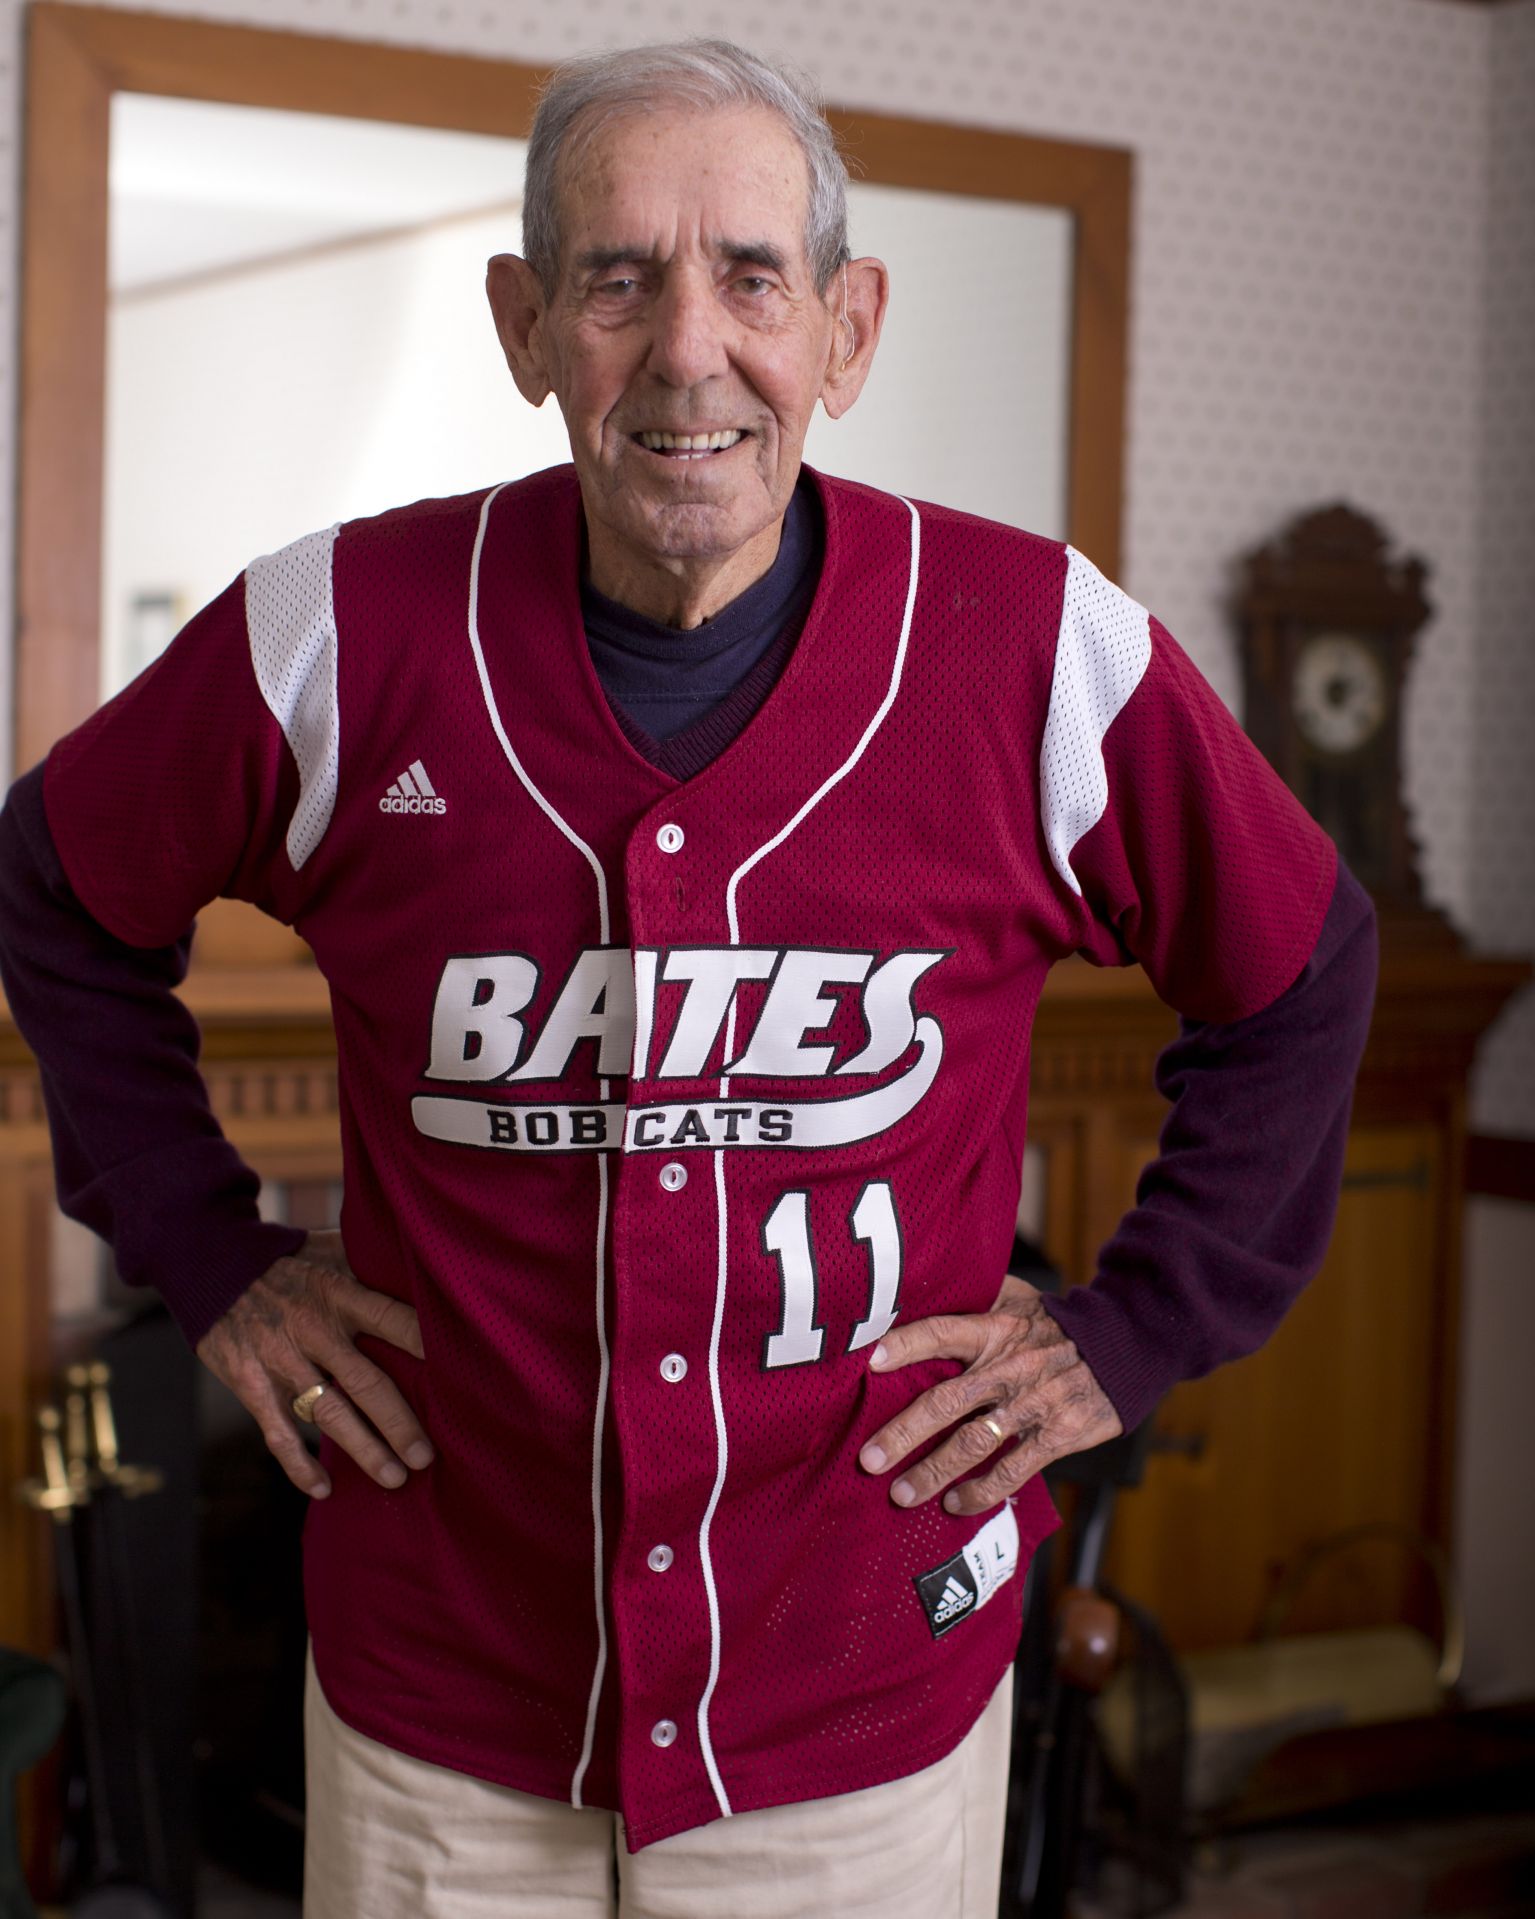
686	838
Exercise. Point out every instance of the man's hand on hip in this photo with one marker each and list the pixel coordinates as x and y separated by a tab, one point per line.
1026	1396
295	1328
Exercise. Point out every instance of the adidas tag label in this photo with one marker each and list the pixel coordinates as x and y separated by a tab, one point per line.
962	1585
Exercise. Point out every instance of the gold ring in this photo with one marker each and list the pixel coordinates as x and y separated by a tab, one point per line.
304	1404
991	1426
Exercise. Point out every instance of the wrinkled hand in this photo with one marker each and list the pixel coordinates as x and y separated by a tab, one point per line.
295	1327
1022	1371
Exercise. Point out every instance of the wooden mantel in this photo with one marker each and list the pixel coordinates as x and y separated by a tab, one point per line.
270	1062
1099	1031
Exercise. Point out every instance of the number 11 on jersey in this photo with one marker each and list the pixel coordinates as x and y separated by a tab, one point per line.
786	1235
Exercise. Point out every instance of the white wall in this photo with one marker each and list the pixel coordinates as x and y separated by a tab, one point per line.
967	401
249	410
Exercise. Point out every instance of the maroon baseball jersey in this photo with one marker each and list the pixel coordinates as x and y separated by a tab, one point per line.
662	1102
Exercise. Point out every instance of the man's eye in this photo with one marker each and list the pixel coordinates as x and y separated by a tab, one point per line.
617	287
753	283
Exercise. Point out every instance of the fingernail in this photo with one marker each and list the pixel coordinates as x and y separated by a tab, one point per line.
903	1492
392	1475
951	1502
872	1459
322	1491
419	1455
879	1355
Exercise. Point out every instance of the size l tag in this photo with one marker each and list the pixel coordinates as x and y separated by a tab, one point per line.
993	1553
962	1585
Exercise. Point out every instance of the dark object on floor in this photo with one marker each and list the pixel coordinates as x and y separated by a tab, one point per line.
118	1864
204	1576
251	1646
1138	1815
1070	1645
119	1902
32	1704
223	1895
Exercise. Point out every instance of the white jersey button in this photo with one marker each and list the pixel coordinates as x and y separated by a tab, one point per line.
674	1176
659	1558
670	838
673	1368
663	1732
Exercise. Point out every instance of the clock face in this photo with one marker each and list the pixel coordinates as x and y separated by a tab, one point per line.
1338	693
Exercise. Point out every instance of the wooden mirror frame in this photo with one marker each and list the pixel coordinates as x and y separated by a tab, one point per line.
78	57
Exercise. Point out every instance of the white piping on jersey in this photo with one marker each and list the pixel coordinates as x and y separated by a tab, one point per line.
1101	655
597	1430
495	719
832	779
290	625
598	1545
722	1239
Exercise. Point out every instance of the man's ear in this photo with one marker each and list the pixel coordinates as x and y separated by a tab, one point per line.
857	297
517	301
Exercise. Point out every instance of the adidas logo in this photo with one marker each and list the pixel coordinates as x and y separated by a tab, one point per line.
952	1601
412	792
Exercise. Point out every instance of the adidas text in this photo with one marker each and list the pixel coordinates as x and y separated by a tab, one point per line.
417	803
955	1600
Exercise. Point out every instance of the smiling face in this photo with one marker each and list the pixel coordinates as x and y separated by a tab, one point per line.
686	345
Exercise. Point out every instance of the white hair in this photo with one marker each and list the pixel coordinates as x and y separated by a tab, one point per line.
583	95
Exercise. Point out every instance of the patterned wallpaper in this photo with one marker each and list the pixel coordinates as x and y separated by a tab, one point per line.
1326	297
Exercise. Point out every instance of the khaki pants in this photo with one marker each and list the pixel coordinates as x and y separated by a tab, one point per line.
391	1837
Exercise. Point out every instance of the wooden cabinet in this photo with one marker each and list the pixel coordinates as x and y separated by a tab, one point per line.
1324	1428
1347	1416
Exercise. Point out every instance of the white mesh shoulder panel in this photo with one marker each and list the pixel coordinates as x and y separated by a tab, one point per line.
1101	654
290	616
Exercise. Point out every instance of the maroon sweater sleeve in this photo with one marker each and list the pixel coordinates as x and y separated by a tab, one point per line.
138	1154
1233	1216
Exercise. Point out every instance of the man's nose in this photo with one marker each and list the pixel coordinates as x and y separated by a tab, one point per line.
689	326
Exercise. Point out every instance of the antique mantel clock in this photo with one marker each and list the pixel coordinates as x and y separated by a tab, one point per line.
1327	620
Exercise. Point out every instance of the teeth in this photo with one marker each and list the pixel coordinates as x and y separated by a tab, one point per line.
691	442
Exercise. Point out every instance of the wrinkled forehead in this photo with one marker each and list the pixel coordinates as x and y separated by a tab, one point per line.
634	177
